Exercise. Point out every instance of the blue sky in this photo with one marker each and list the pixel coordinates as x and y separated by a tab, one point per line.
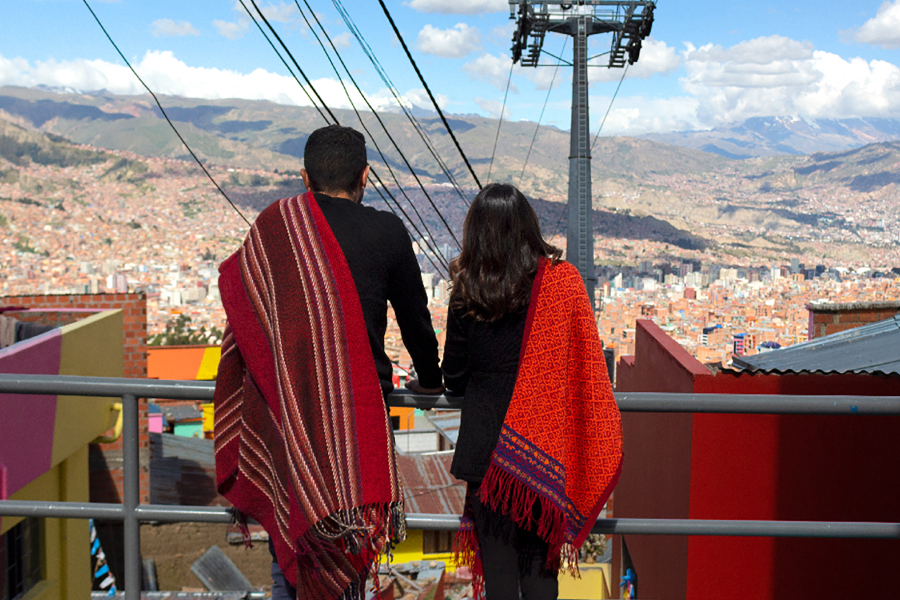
707	63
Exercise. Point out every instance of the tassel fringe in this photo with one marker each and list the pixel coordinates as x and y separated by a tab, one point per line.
507	495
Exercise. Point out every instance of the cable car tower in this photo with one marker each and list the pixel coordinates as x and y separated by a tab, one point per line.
630	23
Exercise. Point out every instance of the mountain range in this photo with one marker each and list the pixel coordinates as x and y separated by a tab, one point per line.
767	136
796	183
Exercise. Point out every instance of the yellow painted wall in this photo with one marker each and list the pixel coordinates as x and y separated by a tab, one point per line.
65	543
92	346
593	584
411	549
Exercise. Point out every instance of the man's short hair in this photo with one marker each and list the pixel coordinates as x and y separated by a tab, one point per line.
335	158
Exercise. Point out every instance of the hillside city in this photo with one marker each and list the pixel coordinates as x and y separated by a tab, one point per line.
156	225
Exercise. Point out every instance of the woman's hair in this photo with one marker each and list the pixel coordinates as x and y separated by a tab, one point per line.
502	242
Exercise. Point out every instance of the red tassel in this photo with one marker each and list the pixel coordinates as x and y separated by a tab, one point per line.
507	495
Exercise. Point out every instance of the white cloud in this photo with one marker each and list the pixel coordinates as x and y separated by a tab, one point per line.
456	42
493	108
502	34
491	69
342	40
778	76
656	59
165	74
230	29
459	7
283	12
883	29
170	28
636	115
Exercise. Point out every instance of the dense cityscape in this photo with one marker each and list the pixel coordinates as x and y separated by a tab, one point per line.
155	225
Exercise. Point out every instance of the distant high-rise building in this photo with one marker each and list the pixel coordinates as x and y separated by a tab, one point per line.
795	265
738	344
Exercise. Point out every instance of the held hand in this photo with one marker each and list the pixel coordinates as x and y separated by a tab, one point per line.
414	386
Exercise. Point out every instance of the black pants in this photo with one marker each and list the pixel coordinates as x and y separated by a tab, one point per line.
281	589
513	558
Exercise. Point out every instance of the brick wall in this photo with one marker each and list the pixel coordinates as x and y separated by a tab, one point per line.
106	475
825	319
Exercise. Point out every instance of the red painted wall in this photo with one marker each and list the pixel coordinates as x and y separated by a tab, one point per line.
655	480
828	468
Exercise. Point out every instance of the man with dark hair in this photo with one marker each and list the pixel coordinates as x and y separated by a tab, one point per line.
378	251
303	442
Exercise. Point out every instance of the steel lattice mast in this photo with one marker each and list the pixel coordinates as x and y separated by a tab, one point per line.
630	23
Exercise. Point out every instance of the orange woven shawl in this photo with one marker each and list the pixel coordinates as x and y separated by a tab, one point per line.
561	441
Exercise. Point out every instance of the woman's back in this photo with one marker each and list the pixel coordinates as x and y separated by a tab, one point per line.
481	359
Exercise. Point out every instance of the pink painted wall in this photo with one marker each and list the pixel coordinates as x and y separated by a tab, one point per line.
27	421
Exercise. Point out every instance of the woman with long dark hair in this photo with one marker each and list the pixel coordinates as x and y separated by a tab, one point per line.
540	437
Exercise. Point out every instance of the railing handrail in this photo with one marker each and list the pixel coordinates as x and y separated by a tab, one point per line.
132	513
783	404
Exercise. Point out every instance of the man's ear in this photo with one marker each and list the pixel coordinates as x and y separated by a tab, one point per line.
364	178
305	177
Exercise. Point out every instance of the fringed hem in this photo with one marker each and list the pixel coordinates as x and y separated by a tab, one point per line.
466	553
240	519
507	495
358	539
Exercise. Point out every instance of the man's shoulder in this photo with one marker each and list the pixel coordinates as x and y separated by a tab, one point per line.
383	221
384	216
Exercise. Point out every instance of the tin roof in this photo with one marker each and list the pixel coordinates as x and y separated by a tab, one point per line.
428	486
873	348
447	424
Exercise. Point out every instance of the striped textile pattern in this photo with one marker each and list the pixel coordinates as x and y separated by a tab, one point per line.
301	431
560	446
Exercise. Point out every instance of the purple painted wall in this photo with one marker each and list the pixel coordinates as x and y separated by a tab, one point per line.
26	421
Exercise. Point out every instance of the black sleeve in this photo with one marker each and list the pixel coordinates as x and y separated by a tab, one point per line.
406	294
456	359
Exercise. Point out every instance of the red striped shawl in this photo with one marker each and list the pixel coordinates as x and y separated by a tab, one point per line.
561	441
302	436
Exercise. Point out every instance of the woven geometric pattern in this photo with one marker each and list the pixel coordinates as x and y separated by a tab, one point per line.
302	436
561	442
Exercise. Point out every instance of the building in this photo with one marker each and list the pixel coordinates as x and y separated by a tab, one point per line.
44	450
756	467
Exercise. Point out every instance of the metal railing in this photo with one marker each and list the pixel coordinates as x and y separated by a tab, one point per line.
131	512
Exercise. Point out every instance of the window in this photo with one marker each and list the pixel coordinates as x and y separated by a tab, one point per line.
437	542
20	559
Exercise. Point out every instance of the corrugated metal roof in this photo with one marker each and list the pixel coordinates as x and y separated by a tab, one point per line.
873	348
428	486
447	424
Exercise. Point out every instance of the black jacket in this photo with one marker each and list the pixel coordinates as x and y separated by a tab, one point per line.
481	360
384	268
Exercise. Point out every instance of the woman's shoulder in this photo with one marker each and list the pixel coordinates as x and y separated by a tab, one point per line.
563	270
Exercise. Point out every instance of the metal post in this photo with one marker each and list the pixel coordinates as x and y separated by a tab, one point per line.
580	238
131	496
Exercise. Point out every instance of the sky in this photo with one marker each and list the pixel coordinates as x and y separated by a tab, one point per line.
705	64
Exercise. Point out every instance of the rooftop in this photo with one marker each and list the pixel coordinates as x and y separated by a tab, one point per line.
873	348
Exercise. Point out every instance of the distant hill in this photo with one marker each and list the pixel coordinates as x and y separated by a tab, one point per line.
260	134
767	136
841	202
